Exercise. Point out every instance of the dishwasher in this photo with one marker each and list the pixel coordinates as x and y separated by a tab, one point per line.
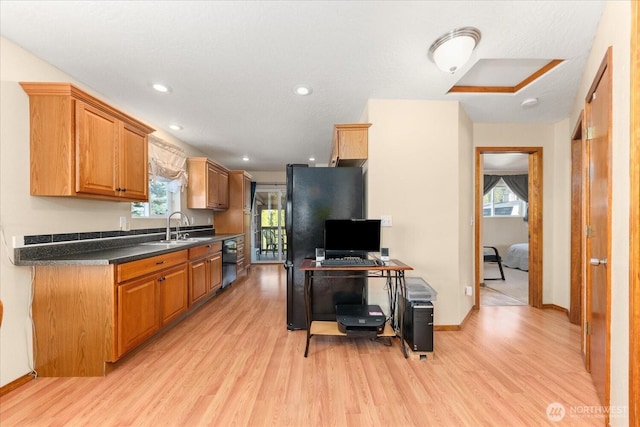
229	260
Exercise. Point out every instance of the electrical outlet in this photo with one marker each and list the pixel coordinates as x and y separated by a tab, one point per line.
124	224
386	220
468	290
209	221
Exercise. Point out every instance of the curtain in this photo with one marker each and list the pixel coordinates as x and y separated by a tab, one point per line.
519	184
167	160
490	181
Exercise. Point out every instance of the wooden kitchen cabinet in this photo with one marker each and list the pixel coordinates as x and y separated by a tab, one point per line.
82	147
350	145
237	219
138	319
173	294
208	185
205	271
151	293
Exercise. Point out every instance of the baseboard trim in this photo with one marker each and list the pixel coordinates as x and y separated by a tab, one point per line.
15	384
446	327
556	307
456	327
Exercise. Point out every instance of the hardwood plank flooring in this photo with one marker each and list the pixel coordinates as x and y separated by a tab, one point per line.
233	362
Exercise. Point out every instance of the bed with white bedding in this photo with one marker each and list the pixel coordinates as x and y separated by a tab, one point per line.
517	256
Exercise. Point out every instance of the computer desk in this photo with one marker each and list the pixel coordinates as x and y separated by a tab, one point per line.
393	271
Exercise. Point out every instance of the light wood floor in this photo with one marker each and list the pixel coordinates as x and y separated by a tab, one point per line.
234	363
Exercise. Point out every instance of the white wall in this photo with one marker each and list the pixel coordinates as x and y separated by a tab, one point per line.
22	214
615	30
420	172
503	232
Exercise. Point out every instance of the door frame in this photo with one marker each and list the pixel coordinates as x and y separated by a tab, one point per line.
578	222
634	219
535	219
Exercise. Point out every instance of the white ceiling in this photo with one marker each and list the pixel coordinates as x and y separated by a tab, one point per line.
232	66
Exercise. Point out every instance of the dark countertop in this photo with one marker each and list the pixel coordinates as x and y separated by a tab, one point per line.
103	252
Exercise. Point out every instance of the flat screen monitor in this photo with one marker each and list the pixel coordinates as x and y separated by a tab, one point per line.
346	237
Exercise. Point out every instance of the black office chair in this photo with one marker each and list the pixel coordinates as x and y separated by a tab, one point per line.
491	255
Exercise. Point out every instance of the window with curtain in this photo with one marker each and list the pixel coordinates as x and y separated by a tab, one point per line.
167	179
499	198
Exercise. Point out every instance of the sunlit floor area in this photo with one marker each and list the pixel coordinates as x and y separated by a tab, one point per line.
514	290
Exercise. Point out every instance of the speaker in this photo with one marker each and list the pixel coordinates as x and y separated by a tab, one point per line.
319	254
384	254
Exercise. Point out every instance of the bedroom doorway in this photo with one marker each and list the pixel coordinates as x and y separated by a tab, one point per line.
505	230
532	235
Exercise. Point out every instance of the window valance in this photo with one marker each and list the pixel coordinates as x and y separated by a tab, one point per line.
167	160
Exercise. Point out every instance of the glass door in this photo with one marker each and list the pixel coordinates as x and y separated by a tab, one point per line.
268	225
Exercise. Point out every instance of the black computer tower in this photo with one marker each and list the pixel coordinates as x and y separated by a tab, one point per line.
418	325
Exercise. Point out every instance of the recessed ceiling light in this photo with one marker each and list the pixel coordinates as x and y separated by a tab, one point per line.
175	127
312	159
161	88
245	158
529	102
303	90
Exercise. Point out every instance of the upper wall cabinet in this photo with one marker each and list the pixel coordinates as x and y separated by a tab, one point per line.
82	147
208	185
350	145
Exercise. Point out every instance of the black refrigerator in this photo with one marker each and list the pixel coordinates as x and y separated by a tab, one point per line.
315	194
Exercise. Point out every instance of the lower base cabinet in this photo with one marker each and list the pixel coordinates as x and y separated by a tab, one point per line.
148	303
88	316
205	271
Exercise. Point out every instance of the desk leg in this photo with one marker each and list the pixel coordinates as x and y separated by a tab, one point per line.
307	307
401	304
392	291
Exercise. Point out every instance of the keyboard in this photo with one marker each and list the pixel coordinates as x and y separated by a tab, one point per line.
347	262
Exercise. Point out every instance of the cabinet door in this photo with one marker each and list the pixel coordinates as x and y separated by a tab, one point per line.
222	201
133	164
212	186
246	193
137	312
97	136
198	280
214	264
173	293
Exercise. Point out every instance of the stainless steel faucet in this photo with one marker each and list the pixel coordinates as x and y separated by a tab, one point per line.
186	218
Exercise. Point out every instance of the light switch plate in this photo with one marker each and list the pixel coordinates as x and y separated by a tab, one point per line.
386	220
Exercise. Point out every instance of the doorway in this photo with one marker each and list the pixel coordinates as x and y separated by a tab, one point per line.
268	225
534	188
505	230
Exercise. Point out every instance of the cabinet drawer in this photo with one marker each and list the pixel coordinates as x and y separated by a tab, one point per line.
130	270
204	250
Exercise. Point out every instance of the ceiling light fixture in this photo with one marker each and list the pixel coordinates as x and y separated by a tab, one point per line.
529	102
312	159
175	127
245	158
453	49
303	90
161	88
